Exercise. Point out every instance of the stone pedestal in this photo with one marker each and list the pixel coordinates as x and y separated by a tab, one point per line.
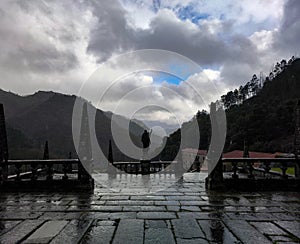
214	181
145	165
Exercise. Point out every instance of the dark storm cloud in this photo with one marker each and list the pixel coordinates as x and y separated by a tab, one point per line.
113	35
28	49
288	36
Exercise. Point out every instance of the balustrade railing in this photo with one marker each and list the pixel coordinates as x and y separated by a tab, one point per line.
260	167
43	170
145	167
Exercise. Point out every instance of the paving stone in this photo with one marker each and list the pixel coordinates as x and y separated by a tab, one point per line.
105	222
98	202
245	232
46	232
280	238
129	231
268	209
187	228
237	209
192	241
97	215
251	216
290	226
159	236
183	198
121	197
53	208
167	203
20	231
262	214
199	215
99	235
10	215
216	232
190	208
6	226
144	208
289	242
62	202
60	215
268	228
129	202
123	215
154	224
106	208
194	203
173	208
163	193
286	216
147	198
73	232
156	215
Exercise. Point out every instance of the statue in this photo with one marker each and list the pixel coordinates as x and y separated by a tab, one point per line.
145	161
146	139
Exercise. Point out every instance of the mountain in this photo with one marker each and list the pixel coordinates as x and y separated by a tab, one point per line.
33	119
264	119
264	116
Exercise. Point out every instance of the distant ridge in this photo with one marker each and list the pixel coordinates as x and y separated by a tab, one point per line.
33	119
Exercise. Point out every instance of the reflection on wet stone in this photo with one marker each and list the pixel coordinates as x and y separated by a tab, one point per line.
183	213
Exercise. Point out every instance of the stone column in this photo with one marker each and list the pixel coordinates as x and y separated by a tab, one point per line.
46	151
85	148
3	147
215	177
110	166
297	140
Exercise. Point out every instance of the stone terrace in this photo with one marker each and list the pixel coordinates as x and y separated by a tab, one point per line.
183	213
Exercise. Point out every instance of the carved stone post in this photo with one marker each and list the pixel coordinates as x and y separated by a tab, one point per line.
110	167
3	147
215	177
85	148
297	140
46	151
47	167
179	165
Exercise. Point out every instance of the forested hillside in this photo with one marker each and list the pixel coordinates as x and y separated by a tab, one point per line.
262	112
31	120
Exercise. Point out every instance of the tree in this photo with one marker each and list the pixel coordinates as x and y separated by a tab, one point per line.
283	64
254	85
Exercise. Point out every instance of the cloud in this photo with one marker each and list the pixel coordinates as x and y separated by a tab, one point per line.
165	31
41	45
57	45
286	40
220	40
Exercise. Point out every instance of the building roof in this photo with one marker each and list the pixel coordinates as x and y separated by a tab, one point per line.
240	153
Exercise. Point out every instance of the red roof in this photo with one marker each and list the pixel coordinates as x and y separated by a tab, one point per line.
240	153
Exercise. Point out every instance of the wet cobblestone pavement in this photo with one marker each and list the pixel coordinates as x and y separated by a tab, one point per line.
184	213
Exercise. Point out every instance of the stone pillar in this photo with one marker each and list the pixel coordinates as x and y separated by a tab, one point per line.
297	140
246	149
110	167
3	147
215	177
46	151
179	165
85	148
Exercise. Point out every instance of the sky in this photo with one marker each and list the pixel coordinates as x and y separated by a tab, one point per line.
57	45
